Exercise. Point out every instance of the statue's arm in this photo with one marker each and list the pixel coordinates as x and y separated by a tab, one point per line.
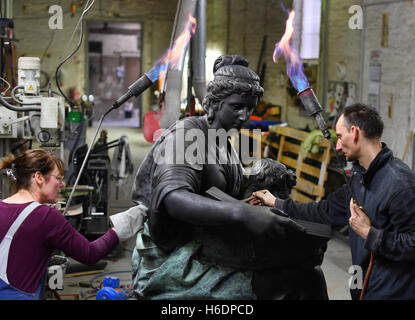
196	209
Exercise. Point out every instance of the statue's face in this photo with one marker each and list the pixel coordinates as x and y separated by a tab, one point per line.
234	111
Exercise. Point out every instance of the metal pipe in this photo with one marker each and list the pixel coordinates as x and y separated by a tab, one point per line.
174	77
362	52
13	96
325	53
199	52
138	87
9	106
84	162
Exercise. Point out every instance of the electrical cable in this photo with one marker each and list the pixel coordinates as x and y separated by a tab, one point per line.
4	80
51	39
12	94
369	269
76	49
49	44
73	33
9	106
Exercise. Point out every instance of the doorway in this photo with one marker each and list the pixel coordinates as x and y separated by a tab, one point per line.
114	55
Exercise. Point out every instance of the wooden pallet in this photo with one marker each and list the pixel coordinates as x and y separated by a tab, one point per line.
311	171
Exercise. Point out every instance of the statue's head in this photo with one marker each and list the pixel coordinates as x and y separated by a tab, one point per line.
273	176
233	93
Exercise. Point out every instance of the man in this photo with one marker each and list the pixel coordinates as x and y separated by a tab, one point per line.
385	187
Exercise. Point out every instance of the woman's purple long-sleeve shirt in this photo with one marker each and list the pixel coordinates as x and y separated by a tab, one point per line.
44	231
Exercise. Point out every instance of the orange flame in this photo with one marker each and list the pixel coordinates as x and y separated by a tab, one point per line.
284	44
173	57
294	64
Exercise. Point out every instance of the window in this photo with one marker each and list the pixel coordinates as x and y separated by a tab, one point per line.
308	18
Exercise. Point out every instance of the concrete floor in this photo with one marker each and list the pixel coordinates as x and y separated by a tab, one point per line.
335	265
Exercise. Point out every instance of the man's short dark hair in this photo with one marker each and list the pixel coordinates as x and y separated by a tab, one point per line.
366	118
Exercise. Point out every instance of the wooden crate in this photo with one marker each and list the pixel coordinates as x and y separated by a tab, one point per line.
311	171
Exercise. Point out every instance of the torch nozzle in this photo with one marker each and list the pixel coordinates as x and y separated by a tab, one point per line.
137	88
314	109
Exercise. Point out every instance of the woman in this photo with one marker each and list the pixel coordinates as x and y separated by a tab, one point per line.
30	230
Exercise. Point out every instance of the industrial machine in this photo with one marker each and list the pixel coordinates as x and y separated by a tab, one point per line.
31	117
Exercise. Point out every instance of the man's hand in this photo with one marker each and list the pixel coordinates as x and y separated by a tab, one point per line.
263	197
359	221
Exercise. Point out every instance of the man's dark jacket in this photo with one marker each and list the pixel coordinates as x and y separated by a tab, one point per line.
387	193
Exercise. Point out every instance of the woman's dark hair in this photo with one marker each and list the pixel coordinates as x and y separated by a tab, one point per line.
366	118
232	75
28	163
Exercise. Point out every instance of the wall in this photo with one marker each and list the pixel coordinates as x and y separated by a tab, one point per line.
31	28
397	84
397	70
233	26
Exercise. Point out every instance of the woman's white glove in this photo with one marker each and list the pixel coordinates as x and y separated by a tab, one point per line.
128	223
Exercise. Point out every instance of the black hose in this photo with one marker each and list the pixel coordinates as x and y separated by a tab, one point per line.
9	106
87	7
20	102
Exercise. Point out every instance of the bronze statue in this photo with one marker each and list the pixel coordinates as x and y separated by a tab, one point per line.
195	247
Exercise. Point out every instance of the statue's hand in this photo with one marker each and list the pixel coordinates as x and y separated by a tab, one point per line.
269	224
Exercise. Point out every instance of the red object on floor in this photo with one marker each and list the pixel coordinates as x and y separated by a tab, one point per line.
255	118
151	125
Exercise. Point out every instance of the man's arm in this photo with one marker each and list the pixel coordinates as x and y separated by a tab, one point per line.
397	244
332	211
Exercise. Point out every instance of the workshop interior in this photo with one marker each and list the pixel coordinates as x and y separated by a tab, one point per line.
96	82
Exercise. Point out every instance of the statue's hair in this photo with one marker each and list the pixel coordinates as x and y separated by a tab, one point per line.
272	170
232	75
272	175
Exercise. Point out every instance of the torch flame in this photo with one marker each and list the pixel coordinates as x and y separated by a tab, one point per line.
173	57
294	64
